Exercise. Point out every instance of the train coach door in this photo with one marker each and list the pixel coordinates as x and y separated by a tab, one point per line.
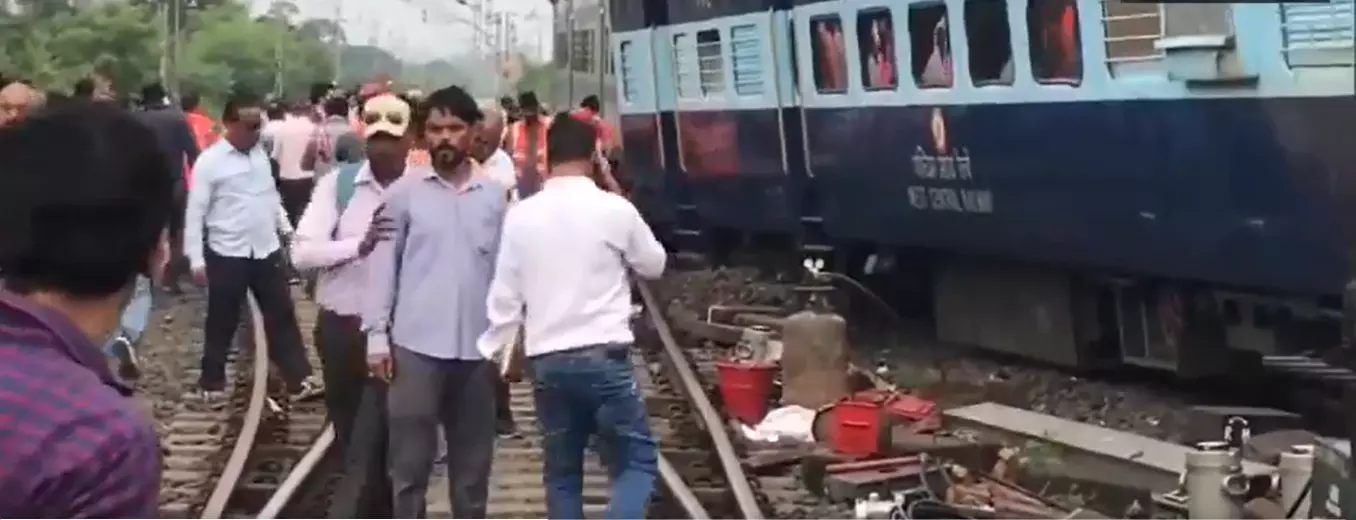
813	240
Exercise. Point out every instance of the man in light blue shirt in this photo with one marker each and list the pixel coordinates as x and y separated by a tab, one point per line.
231	228
426	307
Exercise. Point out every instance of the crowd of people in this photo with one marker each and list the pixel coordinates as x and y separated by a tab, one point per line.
451	247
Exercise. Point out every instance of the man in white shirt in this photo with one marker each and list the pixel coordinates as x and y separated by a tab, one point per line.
231	228
336	234
487	148
290	142
565	254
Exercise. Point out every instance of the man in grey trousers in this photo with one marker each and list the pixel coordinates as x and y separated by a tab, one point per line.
427	286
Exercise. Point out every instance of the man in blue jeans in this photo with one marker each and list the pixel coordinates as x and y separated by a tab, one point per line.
131	325
565	255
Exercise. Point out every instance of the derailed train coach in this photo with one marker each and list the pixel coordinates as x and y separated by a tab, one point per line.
1150	184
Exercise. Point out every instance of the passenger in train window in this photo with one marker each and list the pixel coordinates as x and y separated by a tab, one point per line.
578	341
830	56
990	42
931	43
425	308
876	40
1056	49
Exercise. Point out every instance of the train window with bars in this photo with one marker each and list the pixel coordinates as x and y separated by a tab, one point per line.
628	72
1132	29
930	43
746	60
685	66
990	40
876	45
1319	35
710	63
1197	19
829	54
1055	41
581	52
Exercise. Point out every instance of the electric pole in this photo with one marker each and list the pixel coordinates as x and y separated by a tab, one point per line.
338	40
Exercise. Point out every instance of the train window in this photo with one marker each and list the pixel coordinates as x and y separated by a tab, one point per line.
1198	19
830	57
1053	35
1132	28
990	40
930	43
876	44
746	61
1318	35
581	52
685	66
710	63
628	73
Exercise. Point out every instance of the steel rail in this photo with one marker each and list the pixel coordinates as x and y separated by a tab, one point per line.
680	491
715	426
254	416
299	474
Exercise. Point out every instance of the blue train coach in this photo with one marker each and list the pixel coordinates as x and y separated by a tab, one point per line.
1153	184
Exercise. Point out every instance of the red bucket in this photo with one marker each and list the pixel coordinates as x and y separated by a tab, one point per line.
745	388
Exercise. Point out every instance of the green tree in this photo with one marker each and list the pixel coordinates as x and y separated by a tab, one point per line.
540	78
54	43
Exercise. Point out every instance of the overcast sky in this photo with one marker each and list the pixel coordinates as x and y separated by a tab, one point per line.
399	27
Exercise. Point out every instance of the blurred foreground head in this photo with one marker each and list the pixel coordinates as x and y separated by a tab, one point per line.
85	222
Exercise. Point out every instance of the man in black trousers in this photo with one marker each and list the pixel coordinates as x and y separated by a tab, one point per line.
337	232
231	237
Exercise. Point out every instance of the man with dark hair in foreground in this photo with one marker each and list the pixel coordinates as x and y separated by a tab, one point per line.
80	227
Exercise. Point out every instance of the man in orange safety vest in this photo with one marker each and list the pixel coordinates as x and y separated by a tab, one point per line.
527	144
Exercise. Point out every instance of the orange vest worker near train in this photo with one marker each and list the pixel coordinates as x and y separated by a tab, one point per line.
205	130
527	144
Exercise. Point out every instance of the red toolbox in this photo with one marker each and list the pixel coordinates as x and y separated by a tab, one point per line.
861	419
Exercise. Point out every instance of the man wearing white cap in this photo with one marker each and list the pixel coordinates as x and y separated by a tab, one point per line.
336	233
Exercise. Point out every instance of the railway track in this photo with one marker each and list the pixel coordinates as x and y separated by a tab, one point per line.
227	459
256	456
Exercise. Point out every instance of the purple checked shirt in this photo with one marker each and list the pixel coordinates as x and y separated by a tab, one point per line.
72	442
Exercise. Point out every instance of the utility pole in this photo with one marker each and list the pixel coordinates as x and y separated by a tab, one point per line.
162	16
569	53
338	42
603	56
176	17
278	67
